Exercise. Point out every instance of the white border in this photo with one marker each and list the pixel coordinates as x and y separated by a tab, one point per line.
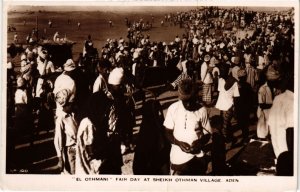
58	182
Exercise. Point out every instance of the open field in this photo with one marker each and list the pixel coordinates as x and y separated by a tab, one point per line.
93	23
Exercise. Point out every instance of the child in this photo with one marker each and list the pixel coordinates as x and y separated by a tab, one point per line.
23	120
46	119
65	133
21	130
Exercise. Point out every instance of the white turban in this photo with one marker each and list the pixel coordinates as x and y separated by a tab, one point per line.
116	76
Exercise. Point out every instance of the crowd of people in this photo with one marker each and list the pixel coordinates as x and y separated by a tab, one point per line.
139	25
93	118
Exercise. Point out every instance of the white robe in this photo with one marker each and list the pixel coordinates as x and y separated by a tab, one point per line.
85	136
281	117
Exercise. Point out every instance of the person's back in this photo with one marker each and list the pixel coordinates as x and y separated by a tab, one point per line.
207	80
280	119
244	104
226	94
152	148
265	101
245	101
81	86
252	75
285	164
218	150
93	141
89	47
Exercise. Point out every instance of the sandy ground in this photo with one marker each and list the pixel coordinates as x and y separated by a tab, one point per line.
93	23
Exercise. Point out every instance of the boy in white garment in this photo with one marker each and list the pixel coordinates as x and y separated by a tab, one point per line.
65	133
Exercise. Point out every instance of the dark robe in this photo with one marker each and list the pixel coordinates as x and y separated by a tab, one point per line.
152	148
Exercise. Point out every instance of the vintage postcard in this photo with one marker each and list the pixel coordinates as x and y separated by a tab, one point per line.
150	95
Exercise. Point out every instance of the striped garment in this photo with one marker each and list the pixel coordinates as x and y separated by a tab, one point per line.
182	76
227	117
252	75
206	93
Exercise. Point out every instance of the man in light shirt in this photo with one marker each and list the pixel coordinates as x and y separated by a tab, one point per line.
65	134
64	81
188	129
45	67
281	120
236	67
101	81
228	92
207	80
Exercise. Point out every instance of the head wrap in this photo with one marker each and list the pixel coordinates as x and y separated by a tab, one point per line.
186	89
62	96
272	74
241	73
69	65
20	82
116	76
206	58
236	60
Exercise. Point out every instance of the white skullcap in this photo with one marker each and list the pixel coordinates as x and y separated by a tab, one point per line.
44	54
116	75
195	41
20	82
23	57
39	49
9	65
206	58
23	63
69	65
34	50
62	96
135	55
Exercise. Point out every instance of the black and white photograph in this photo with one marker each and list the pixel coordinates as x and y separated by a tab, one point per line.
201	91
